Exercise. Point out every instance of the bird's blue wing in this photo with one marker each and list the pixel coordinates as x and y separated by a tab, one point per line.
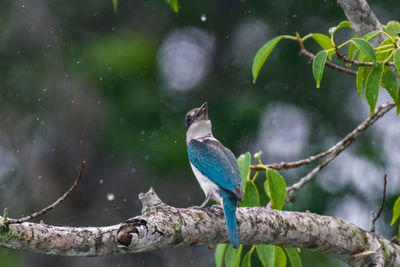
217	163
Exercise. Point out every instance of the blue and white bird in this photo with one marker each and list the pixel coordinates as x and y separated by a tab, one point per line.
215	168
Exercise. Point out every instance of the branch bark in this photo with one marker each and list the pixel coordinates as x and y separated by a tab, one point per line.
361	16
162	226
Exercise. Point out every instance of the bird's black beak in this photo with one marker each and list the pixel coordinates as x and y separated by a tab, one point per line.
204	110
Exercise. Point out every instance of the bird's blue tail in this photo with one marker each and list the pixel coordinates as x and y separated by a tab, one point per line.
229	202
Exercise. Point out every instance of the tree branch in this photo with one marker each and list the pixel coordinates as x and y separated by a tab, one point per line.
328	63
378	214
339	146
342	145
52	206
162	226
361	17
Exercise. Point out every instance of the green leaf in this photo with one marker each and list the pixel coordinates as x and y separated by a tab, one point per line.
219	254
365	47
173	4
266	254
396	59
262	56
323	40
360	79
246	262
244	162
318	65
342	24
398	232
115	5
294	257
352	50
392	28
370	35
396	211
232	256
280	257
275	187
372	86
389	82
251	196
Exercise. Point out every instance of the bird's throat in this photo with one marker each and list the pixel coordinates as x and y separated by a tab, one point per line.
199	130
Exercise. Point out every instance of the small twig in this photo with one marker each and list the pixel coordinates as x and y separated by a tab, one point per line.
378	214
380	111
354	62
328	63
52	206
340	147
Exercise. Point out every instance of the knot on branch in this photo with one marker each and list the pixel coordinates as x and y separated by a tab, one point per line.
150	202
150	198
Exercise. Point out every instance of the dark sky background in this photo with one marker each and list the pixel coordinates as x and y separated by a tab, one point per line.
80	82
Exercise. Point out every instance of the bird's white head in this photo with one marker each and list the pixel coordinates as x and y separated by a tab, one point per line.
197	123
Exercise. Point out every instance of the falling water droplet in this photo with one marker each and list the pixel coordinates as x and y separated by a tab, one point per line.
203	17
110	196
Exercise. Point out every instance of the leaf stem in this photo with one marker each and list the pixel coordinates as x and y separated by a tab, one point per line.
290	37
345	43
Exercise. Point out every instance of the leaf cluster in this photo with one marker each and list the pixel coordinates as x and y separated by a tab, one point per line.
274	189
376	66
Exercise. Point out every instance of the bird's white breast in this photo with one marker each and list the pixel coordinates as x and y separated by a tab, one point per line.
210	189
198	130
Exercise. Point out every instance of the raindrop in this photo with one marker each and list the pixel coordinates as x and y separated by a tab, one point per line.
39	99
203	17
101	78
73	101
78	62
99	102
37	118
39	177
146	157
294	16
124	200
133	170
331	30
175	142
23	6
44	89
12	169
101	181
110	196
142	132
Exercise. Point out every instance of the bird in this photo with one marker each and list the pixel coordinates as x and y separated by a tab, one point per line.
215	168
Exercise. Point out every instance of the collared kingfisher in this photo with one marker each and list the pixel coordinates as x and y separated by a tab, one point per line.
215	168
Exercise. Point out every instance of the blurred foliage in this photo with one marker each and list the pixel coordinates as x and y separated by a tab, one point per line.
79	80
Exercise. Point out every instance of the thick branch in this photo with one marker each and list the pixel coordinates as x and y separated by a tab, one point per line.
361	16
162	226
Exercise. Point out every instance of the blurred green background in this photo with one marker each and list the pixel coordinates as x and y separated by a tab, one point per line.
80	82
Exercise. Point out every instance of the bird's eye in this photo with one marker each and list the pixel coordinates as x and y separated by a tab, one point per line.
188	120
